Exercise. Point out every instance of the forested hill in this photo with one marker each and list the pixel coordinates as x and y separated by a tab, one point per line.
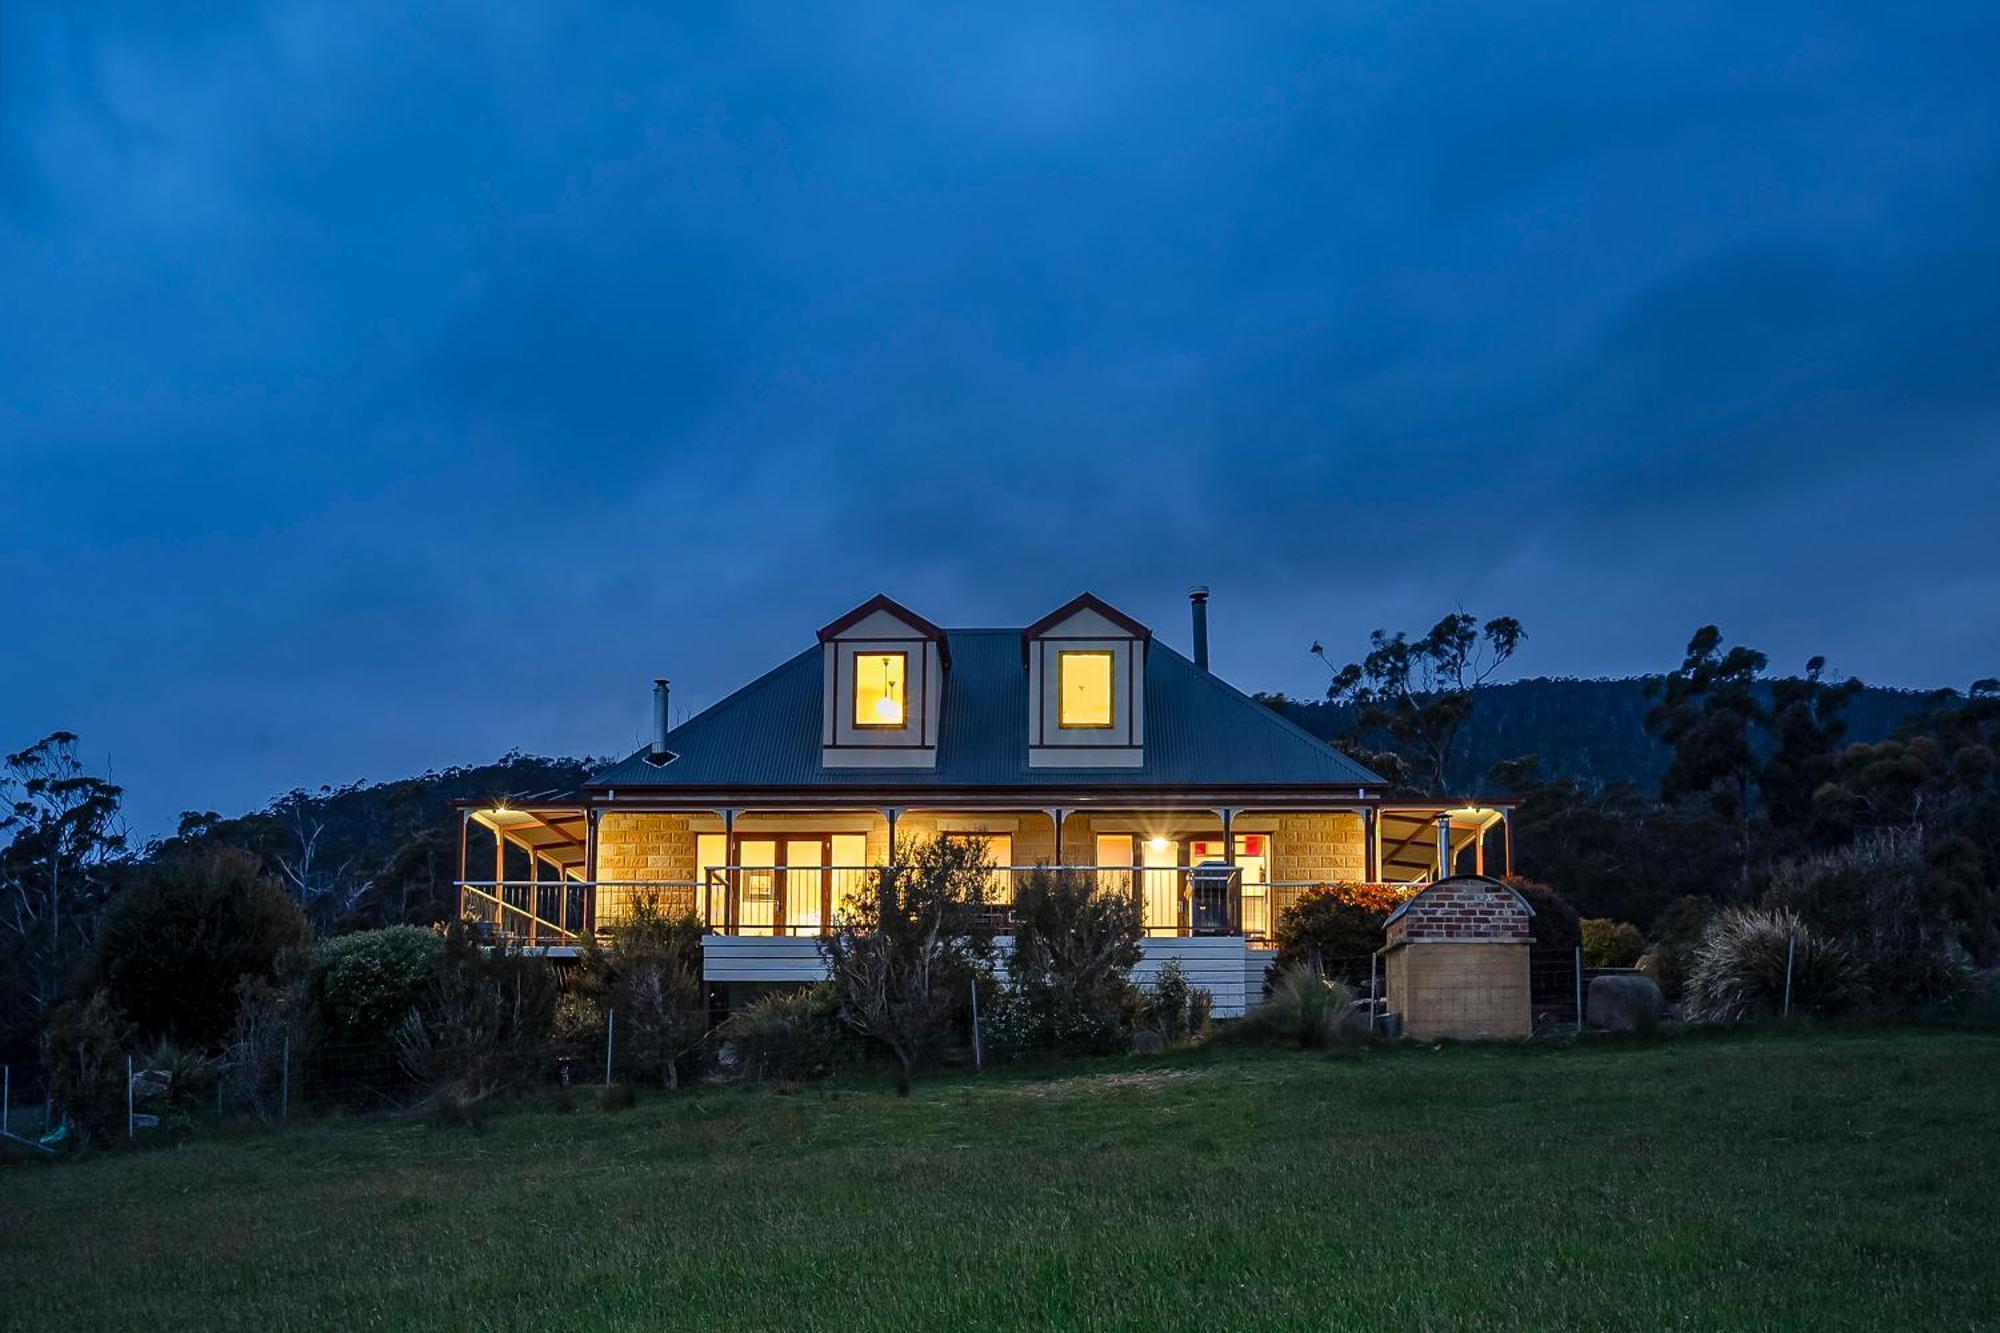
1591	730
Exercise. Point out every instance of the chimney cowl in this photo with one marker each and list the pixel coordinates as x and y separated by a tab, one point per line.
1198	601
660	724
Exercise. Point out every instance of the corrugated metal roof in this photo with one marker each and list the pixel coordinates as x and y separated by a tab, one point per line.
1200	732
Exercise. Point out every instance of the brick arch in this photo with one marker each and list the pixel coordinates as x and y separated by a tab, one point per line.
1464	908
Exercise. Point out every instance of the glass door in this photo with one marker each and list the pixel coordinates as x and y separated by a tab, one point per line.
850	871
805	886
756	886
1114	864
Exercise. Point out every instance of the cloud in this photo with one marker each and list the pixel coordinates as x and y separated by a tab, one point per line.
397	388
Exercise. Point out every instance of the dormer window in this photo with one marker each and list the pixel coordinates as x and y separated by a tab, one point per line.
1086	666
884	670
1084	684
881	689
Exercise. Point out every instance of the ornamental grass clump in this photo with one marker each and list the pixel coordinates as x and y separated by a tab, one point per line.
1740	969
1304	1010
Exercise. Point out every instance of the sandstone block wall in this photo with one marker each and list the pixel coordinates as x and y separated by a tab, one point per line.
1465	990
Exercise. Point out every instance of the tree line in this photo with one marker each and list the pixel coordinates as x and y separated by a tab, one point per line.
1761	783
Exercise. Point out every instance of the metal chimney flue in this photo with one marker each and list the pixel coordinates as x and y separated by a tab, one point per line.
660	715
1198	598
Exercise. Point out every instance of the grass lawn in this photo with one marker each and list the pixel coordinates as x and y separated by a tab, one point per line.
1813	1181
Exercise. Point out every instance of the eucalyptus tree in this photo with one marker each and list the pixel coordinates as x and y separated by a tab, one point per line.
1420	692
64	845
1708	711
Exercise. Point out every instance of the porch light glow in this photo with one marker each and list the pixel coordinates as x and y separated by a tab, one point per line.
1158	844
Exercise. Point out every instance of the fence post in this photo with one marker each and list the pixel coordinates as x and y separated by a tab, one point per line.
130	1131
610	1027
285	1080
6	1096
1791	947
1374	992
1579	988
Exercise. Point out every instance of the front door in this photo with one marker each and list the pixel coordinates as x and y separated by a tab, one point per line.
806	906
796	883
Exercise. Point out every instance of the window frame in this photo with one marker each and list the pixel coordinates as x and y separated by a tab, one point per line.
854	694
1110	657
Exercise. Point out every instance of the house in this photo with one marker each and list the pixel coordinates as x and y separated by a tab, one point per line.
1079	740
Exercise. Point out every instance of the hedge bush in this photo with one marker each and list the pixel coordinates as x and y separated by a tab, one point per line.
1070	974
1333	930
1608	943
362	985
175	945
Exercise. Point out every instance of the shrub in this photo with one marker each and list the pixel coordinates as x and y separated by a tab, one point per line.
176	943
1176	1008
1332	930
253	1061
191	1075
482	1027
1555	924
1676	935
1304	1009
362	985
85	1047
1069	977
790	1035
651	979
1608	943
1740	969
906	960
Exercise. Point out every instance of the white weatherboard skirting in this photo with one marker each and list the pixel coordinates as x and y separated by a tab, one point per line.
1223	965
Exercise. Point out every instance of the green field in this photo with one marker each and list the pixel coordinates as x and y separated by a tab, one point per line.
1801	1181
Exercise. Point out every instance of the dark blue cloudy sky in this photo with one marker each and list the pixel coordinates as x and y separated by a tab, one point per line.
381	390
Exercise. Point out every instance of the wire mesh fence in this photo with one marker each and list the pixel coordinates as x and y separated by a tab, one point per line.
287	1070
165	1091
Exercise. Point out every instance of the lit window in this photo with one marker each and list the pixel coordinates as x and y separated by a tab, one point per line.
1084	685
879	691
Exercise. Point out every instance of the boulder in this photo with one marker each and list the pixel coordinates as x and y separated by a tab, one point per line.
1624	1003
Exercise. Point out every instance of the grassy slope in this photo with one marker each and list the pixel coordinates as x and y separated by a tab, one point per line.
1774	1182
